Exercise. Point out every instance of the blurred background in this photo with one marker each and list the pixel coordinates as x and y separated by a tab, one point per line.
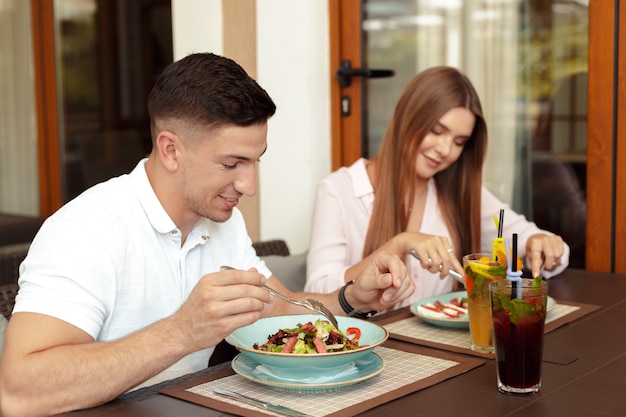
75	74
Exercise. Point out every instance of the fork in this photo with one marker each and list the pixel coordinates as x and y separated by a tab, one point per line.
309	303
452	272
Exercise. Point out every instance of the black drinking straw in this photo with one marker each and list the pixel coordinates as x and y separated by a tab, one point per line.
514	266
500	222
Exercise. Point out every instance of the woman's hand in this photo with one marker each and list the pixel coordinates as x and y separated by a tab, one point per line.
435	253
545	251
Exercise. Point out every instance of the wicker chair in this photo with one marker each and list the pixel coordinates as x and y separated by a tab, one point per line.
9	273
10	266
271	247
7	299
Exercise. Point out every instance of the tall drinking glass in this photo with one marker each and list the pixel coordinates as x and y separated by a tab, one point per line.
480	271
518	324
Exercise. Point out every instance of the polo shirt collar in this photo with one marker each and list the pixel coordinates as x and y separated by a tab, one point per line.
156	214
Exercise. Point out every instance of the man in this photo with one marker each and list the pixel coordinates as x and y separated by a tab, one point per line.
122	286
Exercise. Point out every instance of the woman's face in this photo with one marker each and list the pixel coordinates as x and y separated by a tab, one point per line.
443	145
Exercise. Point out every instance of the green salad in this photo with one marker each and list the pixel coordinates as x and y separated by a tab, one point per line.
321	337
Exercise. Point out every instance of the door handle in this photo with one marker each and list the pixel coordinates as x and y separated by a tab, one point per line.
345	73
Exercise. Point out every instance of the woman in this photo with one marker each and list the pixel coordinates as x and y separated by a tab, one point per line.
422	192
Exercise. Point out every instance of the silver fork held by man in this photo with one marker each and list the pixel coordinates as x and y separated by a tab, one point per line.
309	303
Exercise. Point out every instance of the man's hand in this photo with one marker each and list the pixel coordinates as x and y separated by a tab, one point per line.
382	284
220	303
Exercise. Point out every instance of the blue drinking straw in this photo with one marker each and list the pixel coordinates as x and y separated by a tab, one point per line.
512	274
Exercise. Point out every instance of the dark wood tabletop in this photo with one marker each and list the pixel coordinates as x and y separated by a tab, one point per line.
584	370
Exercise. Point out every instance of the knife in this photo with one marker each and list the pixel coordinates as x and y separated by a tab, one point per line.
452	272
283	411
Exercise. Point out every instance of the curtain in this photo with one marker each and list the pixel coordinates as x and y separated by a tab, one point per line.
19	186
490	60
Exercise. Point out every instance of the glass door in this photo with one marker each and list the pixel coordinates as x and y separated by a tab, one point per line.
108	55
528	62
74	79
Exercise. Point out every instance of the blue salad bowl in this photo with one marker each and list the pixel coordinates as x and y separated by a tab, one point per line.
244	338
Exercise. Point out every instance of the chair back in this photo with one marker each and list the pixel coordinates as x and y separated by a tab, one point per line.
10	266
271	247
7	299
9	274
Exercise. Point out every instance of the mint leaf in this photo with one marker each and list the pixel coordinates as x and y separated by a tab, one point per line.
519	310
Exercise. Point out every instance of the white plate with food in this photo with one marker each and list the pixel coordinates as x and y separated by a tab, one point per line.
449	310
446	310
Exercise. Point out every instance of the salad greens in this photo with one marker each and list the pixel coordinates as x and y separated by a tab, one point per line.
321	337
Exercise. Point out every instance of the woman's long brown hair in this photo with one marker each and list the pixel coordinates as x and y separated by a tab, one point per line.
428	96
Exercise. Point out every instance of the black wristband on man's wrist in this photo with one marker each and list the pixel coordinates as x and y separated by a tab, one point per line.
350	311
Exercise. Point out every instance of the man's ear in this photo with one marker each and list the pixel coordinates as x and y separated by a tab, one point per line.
167	144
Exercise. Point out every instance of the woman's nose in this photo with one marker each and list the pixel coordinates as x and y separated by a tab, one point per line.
444	146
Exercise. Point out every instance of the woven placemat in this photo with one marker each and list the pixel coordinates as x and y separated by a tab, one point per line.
407	368
403	325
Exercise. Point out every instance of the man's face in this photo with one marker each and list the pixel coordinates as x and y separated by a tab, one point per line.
220	169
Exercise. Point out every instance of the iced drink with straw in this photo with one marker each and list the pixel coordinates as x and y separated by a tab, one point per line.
518	324
480	270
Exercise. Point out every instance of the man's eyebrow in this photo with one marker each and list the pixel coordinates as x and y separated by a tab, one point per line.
238	157
245	158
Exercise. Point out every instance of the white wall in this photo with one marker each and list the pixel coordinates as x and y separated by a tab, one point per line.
293	66
196	27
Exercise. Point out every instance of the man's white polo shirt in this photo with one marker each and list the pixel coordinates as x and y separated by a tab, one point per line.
110	262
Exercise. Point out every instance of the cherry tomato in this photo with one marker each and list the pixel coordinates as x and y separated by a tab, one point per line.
355	331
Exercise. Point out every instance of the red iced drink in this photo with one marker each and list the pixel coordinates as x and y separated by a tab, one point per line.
518	325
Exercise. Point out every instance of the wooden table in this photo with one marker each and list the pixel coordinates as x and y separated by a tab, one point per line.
586	374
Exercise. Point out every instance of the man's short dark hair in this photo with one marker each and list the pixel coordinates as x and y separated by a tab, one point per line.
211	90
